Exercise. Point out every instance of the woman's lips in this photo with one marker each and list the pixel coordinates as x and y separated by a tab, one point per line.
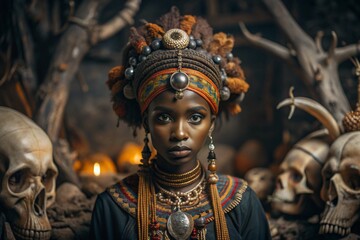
179	152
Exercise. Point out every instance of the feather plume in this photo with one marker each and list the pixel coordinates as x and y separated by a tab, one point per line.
170	20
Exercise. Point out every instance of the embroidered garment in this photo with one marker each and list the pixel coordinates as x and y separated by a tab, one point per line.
115	211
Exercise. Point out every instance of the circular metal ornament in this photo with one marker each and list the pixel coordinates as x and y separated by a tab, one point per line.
155	45
180	225
211	146
175	39
192	44
179	81
225	93
146	50
142	58
200	222
128	92
199	42
217	59
129	73
229	56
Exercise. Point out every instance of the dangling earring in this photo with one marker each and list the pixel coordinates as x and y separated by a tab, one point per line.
213	178
219	216
146	152
144	192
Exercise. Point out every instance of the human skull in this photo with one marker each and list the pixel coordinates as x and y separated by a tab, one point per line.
261	180
27	175
341	185
298	184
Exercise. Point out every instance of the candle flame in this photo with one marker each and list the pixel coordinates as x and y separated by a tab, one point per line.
96	169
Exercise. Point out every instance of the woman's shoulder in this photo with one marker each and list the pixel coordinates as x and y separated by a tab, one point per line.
232	191
124	193
227	181
247	212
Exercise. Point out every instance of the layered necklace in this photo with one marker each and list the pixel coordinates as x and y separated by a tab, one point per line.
180	225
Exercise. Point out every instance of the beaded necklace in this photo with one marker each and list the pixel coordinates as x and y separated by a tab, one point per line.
180	225
177	180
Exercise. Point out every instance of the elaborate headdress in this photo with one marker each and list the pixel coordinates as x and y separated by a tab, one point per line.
176	53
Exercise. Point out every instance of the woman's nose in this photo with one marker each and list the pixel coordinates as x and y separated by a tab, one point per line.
179	131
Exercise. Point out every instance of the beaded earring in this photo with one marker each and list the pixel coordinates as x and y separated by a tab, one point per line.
213	178
146	152
144	192
219	216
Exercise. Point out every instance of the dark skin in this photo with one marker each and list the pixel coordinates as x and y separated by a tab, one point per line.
178	129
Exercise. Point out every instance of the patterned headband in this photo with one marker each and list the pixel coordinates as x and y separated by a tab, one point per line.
164	80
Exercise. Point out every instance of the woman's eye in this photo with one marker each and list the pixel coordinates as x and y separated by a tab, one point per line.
196	118
164	118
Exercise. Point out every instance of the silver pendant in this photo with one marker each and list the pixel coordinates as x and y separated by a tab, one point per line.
180	225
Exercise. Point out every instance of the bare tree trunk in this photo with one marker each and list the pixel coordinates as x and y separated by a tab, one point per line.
74	44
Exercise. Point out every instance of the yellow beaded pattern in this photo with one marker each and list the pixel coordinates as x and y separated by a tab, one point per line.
176	39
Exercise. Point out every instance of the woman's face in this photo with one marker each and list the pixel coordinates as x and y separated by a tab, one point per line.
178	128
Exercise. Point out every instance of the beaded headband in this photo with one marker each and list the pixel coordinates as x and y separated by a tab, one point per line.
194	81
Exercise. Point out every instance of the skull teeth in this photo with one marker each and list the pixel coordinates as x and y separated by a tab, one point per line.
31	234
326	228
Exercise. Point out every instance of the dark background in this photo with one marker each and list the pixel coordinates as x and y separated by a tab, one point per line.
90	124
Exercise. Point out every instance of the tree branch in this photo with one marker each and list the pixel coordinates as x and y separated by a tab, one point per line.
292	30
331	51
123	18
272	47
318	39
317	68
344	53
54	91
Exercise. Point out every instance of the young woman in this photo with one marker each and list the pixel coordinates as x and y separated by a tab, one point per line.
174	76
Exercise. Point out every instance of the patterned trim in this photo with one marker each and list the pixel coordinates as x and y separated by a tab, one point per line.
230	189
159	82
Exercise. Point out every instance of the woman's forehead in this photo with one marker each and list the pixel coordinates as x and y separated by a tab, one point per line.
190	100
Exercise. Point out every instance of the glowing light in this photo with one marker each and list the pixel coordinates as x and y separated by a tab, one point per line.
96	169
136	159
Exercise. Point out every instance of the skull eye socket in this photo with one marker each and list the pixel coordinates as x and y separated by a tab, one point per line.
47	180
19	181
295	176
351	177
327	174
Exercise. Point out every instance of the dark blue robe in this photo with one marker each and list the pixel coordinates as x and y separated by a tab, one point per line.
115	211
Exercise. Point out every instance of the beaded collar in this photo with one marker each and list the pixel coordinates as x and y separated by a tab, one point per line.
230	189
